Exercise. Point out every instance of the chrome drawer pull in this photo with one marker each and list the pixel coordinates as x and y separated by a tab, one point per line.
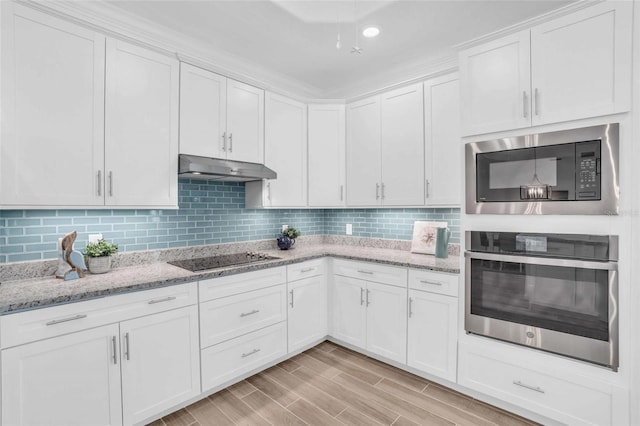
77	317
246	314
431	282
307	270
127	352
365	272
115	350
166	299
533	388
255	351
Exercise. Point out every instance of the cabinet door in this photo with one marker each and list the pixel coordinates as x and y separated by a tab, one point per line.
286	150
443	148
495	85
581	64
203	112
141	133
67	380
363	153
326	155
307	311
160	362
245	122
387	321
402	137
52	111
432	334
349	322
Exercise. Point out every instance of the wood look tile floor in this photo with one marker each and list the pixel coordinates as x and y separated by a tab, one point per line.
331	385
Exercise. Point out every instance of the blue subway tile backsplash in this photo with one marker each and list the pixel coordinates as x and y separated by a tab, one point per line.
209	213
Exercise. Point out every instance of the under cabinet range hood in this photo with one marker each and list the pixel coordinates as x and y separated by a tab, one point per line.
195	167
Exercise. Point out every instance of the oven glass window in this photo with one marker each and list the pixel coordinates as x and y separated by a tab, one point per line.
565	299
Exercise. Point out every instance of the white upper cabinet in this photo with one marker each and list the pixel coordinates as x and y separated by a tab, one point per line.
581	64
573	67
52	111
203	112
402	143
495	85
141	136
363	152
443	148
385	149
326	156
220	117
285	153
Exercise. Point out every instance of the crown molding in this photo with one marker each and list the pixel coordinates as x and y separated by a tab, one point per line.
112	21
527	24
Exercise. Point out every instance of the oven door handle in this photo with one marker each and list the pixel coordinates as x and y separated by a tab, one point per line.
544	261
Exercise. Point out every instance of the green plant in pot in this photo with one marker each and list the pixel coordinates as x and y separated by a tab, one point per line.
288	238
99	256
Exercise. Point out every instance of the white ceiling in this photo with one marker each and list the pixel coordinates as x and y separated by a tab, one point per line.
297	39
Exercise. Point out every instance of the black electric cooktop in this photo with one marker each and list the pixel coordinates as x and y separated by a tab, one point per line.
213	262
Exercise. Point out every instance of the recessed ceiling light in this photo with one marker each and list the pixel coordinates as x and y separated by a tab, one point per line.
370	31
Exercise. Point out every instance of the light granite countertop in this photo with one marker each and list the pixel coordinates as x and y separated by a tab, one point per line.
32	293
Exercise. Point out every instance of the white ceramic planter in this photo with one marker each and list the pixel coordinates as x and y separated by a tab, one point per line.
99	265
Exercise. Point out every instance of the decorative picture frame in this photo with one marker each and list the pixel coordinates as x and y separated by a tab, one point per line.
424	236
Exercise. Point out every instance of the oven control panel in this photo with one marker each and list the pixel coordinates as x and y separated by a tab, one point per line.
588	170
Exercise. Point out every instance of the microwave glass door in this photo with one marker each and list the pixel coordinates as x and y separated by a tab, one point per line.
564	299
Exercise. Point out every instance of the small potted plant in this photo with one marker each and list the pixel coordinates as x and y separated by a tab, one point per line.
288	238
99	256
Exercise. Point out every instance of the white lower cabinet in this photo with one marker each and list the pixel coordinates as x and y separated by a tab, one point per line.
160	362
67	380
307	317
368	314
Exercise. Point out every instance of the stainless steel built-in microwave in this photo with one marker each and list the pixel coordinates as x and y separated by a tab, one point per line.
567	172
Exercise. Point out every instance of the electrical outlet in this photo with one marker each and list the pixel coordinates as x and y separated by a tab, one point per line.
94	238
349	229
285	227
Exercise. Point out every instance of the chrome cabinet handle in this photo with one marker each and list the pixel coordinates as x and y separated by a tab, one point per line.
377	191
427	188
230	142
255	351
410	303
341	192
533	388
224	142
524	104
99	183
269	191
291	293
365	272
110	183
127	348
246	314
536	101
166	299
115	350
361	296
77	317
368	292
307	270
382	191
430	282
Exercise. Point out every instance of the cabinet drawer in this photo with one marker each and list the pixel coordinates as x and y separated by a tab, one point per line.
231	359
229	317
570	400
38	324
391	275
215	288
310	268
434	282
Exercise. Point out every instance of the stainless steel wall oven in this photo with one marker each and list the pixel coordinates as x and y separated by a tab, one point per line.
567	172
554	292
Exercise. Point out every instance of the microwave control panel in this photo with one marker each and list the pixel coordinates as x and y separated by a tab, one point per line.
588	170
